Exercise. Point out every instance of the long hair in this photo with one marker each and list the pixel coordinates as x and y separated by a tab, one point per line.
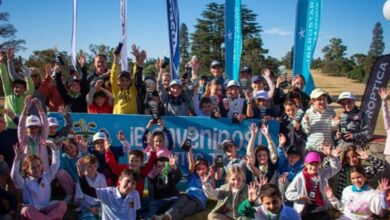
235	170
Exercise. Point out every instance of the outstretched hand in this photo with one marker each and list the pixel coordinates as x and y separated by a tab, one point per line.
383	185
252	192
18	149
383	93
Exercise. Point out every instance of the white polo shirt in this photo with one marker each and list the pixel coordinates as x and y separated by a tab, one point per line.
117	207
98	182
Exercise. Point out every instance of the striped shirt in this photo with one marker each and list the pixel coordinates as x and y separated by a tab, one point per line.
318	127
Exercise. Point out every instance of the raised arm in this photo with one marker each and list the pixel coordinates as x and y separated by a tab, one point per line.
22	133
251	143
15	176
45	123
386	118
271	144
191	162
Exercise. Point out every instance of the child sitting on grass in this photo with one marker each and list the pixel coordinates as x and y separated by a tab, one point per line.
120	202
36	185
271	208
90	207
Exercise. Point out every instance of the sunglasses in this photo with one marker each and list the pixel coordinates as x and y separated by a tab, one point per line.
34	127
36	75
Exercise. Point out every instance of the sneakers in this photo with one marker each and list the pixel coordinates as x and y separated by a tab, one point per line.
162	217
68	199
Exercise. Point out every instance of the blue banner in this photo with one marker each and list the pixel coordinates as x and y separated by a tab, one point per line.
173	29
209	132
307	27
233	38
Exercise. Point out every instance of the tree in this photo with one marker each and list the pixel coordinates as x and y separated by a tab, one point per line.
334	62
7	33
287	60
184	45
40	58
377	45
208	38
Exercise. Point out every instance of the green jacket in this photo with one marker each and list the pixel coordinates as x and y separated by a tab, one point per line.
246	209
225	196
11	101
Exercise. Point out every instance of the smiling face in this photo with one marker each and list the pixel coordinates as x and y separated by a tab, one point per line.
320	103
126	185
158	141
91	169
33	130
100	64
35	168
201	170
352	158
234	91
99	145
134	162
312	168
70	149
262	157
290	110
19	89
358	179
236	180
175	90
348	104
272	204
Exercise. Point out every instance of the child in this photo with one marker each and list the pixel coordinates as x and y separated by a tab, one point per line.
229	195
90	207
194	199
162	187
234	106
177	100
359	200
125	85
307	188
207	108
36	185
99	141
58	135
120	202
354	127
135	161
271	208
317	122
158	139
37	132
15	95
353	157
290	125
260	110
67	174
290	163
74	91
265	158
99	99
386	120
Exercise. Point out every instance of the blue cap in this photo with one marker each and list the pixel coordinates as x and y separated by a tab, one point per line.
256	79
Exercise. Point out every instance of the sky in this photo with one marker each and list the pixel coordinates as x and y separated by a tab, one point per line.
48	23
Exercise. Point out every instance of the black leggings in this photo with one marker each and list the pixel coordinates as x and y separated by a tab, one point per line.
186	205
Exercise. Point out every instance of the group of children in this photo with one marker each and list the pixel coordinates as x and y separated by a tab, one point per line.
320	161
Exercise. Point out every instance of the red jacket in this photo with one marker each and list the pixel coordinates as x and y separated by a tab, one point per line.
144	170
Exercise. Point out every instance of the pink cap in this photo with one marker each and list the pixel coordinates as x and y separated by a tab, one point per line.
313	157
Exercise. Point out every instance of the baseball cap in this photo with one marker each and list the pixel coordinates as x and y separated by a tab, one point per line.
345	95
99	136
226	143
71	80
312	157
52	121
175	82
33	120
246	69
317	93
233	83
262	94
215	63
256	79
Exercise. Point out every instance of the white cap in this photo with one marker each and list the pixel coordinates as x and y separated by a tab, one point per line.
317	93
262	94
98	136
345	95
33	120
175	82
233	83
52	121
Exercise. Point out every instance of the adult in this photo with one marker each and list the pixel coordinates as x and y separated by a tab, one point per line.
245	77
297	84
100	64
216	70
